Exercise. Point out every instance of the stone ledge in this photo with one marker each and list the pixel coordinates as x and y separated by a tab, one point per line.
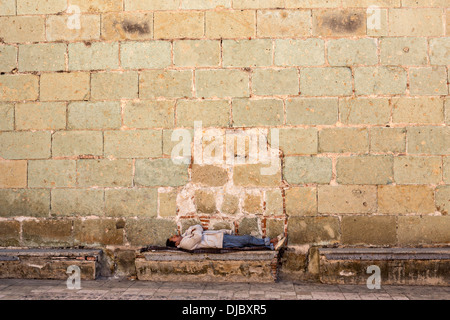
51	263
385	253
243	266
398	266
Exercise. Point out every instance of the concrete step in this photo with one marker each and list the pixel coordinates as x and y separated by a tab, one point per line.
246	266
398	266
48	263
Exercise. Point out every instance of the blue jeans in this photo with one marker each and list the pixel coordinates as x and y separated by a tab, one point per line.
233	241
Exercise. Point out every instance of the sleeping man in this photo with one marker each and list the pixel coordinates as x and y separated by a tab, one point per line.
196	238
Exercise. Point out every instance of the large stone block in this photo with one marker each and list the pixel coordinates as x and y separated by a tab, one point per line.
428	140
51	173
440	49
127	26
301	201
104	173
380	80
94	115
342	140
8	8
423	230
417	170
13	174
301	170
313	230
406	199
42	57
147	114
230	24
442	197
165	83
283	23
416	22
346	22
98	6
77	202
347	199
141	202
137	5
428	81
196	53
6	116
298	141
8	61
222	83
418	110
40	116
65	86
167	203
254	175
25	145
27	7
149	231
365	170
311	111
114	85
24	202
334	81
247	53
15	87
208	4
270	82
257	113
160	172
145	55
260	4
403	51
347	52
76	143
94	56
98	232
369	230
47	233
211	113
179	24
20	29
57	28
209	175
133	144
388	140
364	110
9	233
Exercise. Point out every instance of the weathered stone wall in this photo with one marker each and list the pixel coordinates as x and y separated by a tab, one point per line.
358	95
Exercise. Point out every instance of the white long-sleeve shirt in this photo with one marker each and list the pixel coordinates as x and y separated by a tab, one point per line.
196	238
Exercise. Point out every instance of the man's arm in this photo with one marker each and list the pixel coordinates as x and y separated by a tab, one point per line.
191	238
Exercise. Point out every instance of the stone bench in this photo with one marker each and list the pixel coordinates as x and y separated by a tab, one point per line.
240	266
48	263
398	266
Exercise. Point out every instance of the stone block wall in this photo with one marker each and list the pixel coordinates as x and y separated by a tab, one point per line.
96	97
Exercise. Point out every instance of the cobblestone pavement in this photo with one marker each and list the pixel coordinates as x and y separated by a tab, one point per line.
117	289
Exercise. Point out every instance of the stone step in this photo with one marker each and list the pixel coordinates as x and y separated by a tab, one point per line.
253	266
398	266
48	263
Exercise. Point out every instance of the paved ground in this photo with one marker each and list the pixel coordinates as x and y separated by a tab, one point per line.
116	289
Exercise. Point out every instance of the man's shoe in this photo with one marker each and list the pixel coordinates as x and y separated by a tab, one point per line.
280	243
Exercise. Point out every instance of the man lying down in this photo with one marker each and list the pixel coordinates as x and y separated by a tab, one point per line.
197	238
